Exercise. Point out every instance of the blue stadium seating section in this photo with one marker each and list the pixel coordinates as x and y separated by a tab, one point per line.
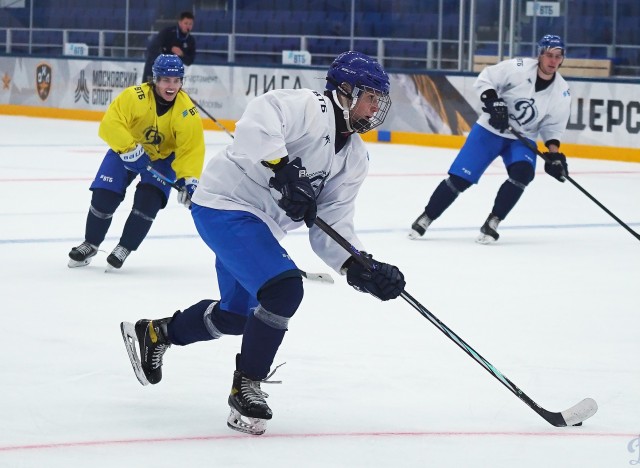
590	23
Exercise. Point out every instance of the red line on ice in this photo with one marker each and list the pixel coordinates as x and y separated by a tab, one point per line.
97	443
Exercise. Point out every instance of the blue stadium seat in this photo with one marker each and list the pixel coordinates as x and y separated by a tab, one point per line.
450	27
284	5
286	43
628	56
318	5
486	49
249	43
14	17
331	47
628	9
220	24
369	47
590	24
579	52
628	32
366	23
212	42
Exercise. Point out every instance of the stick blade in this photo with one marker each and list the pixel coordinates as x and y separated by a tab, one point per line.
575	415
320	277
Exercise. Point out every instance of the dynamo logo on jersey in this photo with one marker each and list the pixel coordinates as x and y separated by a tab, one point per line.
525	111
153	136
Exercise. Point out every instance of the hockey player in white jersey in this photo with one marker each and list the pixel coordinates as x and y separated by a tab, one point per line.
530	96
296	154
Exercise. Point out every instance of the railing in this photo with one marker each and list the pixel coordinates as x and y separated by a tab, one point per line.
223	48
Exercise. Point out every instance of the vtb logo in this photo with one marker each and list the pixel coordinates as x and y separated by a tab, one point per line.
43	80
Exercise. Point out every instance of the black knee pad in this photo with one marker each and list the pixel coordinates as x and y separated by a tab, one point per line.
522	172
459	183
106	201
148	200
282	297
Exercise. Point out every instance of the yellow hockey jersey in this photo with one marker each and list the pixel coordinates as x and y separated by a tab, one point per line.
131	119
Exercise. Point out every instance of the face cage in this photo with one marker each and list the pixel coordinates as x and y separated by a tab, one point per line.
384	103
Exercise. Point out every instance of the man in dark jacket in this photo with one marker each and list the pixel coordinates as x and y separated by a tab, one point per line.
175	40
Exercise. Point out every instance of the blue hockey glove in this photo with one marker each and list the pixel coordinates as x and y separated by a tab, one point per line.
298	197
136	160
187	187
555	164
498	112
383	281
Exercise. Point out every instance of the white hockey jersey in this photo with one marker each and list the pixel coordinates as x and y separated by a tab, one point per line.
544	113
298	123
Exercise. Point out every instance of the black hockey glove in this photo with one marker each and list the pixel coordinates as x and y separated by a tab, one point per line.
555	164
383	281
298	198
499	114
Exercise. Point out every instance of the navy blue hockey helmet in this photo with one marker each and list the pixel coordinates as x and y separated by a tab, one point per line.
362	74
358	70
549	42
168	65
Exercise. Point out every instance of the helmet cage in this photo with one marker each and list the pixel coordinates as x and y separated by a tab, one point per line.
363	75
383	102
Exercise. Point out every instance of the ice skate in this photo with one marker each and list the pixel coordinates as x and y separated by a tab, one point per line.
81	256
153	341
249	409
489	230
419	226
117	257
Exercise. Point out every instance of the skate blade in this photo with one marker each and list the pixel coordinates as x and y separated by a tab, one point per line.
485	239
77	264
130	342
413	235
253	426
111	268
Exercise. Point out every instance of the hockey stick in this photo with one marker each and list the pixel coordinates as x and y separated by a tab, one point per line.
319	277
569	417
222	127
533	148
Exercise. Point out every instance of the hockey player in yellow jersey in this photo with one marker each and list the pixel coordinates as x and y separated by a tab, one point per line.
156	125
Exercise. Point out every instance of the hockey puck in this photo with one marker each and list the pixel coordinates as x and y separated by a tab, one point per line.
578	424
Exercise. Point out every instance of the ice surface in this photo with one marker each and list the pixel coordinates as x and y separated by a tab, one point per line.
553	305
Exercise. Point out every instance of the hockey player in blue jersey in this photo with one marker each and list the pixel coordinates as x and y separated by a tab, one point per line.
530	96
296	153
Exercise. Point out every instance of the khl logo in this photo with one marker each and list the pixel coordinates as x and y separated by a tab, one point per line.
43	80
